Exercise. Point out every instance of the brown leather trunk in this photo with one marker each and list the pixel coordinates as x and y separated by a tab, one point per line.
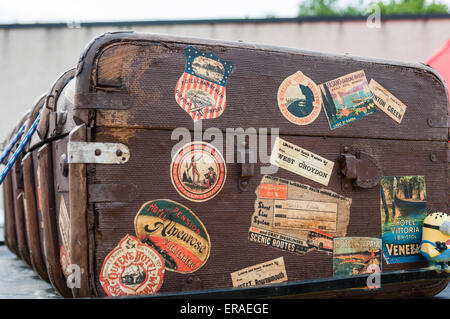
125	95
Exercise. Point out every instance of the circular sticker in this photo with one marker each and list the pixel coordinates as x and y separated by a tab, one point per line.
175	232
132	268
198	171
299	99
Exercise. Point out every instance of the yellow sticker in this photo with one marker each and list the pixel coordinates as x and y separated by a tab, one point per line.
387	102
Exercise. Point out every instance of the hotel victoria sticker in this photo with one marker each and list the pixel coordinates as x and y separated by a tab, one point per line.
403	205
175	232
198	171
299	99
132	268
201	89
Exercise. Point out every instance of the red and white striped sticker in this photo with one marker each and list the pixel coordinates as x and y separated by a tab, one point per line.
201	89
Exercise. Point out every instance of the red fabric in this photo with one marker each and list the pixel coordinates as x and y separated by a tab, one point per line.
440	61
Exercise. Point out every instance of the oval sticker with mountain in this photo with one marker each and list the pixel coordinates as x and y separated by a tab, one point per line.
299	99
175	232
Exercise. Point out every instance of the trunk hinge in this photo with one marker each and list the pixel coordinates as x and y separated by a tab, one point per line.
439	122
97	153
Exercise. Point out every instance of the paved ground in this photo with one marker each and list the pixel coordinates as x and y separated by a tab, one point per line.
18	281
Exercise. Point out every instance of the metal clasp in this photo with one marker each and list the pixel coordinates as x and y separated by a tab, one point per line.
361	168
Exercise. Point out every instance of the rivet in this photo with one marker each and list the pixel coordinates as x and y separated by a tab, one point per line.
97	152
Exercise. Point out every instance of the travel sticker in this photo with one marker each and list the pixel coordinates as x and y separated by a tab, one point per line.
201	89
198	171
297	218
132	268
357	256
299	99
301	161
387	102
403	206
347	99
64	232
175	232
269	272
64	261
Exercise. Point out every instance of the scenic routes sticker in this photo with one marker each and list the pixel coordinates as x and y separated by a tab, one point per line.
132	268
201	89
198	171
175	232
299	99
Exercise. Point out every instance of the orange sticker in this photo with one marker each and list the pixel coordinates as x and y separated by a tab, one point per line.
273	191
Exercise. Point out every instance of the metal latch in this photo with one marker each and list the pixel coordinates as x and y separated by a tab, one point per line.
97	153
247	168
361	168
439	122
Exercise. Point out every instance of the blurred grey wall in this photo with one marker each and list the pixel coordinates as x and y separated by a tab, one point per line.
33	56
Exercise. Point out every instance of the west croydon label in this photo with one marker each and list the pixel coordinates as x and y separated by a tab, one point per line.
175	232
302	162
201	89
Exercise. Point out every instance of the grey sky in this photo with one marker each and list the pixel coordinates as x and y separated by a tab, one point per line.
21	11
30	11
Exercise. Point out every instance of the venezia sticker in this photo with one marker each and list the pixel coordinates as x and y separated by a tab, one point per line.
175	232
403	205
303	218
198	171
201	89
132	268
299	99
269	272
357	256
347	99
387	102
301	161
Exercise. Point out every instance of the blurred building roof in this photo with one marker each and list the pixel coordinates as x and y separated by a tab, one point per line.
222	21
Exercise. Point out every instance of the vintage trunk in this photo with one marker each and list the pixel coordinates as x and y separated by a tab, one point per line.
33	216
130	214
15	232
44	150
